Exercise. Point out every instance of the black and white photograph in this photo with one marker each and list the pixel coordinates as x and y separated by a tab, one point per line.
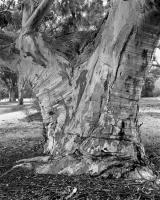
79	99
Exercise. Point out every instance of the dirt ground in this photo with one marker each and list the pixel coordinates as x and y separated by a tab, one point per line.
149	118
21	137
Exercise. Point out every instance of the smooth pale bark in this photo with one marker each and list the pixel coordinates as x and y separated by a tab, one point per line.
90	107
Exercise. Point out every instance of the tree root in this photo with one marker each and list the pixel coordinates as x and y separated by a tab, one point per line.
27	166
71	166
43	159
142	173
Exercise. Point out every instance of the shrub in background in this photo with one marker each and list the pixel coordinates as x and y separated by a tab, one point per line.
3	93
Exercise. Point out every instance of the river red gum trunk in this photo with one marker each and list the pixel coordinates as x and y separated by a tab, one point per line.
90	111
104	131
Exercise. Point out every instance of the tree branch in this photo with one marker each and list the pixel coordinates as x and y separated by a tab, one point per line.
38	14
28	8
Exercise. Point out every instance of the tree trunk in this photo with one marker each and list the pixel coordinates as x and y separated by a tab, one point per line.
12	95
91	118
20	96
21	85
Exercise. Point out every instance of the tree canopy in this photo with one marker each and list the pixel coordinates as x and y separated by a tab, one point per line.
63	16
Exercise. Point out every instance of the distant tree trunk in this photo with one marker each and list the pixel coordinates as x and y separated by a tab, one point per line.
20	96
21	84
12	95
91	114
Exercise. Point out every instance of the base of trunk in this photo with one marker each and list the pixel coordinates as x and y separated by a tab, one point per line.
100	154
71	165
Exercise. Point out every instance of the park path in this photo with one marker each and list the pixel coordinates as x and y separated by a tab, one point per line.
12	112
14	123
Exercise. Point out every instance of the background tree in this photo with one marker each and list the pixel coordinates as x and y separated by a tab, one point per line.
9	79
3	91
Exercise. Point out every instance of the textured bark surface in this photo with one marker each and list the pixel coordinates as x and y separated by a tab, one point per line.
89	98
